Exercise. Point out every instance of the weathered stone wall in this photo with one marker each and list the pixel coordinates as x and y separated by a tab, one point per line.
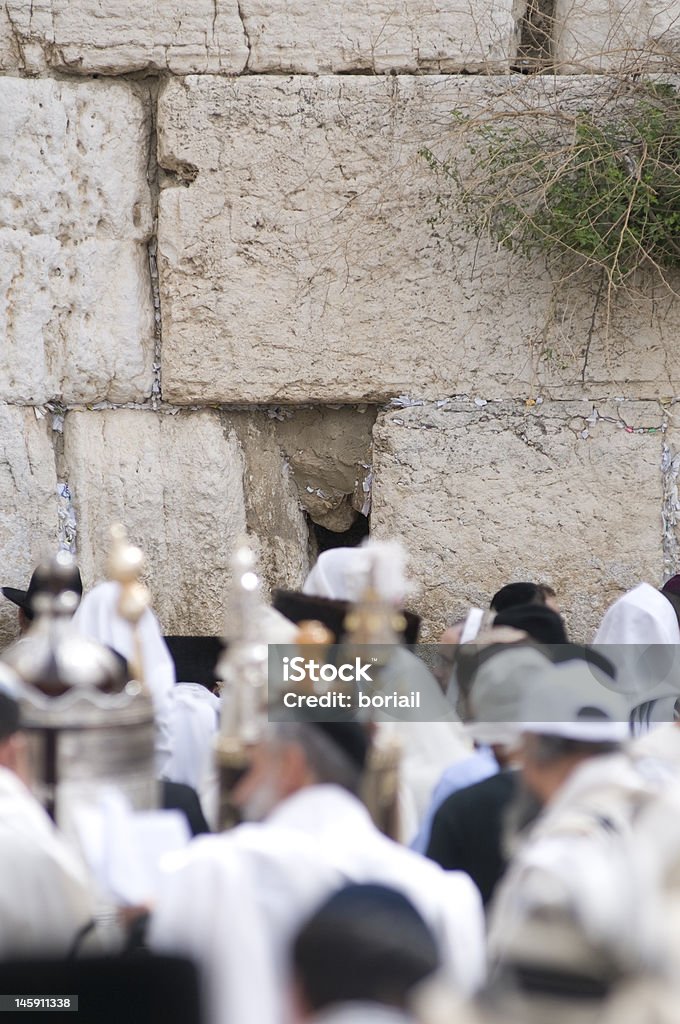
603	35
75	221
217	268
565	492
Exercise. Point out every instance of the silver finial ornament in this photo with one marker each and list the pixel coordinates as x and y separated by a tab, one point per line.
87	728
243	670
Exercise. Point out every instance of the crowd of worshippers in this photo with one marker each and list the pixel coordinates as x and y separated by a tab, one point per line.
535	871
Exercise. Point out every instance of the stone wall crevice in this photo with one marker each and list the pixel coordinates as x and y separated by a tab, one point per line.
16	39
246	34
670	466
153	173
156	387
670	470
535	52
590	334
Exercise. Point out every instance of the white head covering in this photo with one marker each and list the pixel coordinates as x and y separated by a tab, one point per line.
642	616
642	635
98	618
343	573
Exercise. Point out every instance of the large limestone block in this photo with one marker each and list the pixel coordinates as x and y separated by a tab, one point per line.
85	36
28	503
177	484
316	36
297	263
76	310
568	493
291	268
596	35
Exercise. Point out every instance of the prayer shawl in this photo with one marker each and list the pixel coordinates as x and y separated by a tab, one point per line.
45	896
640	635
577	895
657	753
233	902
97	617
193	721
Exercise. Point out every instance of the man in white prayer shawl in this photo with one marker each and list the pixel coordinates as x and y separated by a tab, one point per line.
233	902
97	617
576	903
641	637
428	748
46	899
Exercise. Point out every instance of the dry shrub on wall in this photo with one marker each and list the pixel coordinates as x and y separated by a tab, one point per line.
584	171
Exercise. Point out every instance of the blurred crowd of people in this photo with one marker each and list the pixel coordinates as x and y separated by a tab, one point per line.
532	873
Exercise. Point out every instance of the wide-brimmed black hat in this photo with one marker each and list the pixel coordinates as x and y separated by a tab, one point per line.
298	607
24	598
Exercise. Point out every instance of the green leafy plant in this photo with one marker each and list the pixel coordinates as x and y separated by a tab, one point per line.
598	188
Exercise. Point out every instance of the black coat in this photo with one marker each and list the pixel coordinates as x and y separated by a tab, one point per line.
467	831
178	797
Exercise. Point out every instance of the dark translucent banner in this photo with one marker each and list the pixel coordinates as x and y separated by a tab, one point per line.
512	683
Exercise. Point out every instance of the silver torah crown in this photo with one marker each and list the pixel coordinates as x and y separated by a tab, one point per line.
87	727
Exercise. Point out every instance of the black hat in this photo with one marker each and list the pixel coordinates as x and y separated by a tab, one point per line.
541	623
366	943
513	594
24	598
299	607
583	652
